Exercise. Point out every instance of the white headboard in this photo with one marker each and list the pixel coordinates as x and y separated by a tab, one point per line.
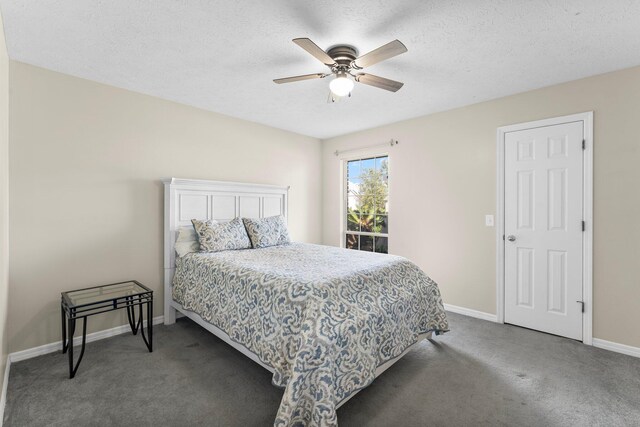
186	199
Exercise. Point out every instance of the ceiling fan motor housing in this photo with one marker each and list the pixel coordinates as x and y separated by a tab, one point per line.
344	55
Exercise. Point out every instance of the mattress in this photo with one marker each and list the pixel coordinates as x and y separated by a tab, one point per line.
323	318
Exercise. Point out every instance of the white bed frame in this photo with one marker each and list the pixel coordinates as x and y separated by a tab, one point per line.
185	199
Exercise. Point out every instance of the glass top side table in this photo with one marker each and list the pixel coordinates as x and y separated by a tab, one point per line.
82	303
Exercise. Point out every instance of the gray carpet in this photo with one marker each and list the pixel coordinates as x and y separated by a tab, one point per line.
478	374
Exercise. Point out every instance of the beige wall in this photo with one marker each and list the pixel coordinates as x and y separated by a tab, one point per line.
86	202
443	182
85	194
4	201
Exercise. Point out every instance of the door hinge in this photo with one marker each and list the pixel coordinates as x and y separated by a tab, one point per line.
503	237
582	304
584	144
584	226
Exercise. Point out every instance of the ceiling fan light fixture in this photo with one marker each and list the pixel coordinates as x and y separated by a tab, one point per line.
341	85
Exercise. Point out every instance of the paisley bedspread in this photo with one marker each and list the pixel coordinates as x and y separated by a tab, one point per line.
323	318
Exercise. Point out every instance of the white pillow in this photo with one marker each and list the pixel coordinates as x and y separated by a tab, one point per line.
187	241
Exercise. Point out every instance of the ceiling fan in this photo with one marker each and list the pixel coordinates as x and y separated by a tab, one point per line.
344	62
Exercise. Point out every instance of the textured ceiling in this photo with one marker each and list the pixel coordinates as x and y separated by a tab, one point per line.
222	55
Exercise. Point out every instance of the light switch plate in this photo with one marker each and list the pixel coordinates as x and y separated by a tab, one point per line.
488	220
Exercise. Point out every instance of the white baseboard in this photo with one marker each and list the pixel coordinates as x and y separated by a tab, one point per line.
57	346
618	348
471	313
5	385
606	345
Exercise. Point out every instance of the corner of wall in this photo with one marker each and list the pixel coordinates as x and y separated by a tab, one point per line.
4	215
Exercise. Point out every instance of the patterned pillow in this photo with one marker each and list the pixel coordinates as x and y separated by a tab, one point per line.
269	231
223	236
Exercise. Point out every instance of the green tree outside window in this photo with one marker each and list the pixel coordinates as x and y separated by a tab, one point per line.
367	199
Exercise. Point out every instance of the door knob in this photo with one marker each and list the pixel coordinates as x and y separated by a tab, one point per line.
511	238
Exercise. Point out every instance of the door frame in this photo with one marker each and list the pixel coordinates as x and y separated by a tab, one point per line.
587	214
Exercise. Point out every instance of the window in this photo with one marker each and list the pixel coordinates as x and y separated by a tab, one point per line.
366	225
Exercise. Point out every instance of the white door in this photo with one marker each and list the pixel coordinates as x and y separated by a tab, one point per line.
543	228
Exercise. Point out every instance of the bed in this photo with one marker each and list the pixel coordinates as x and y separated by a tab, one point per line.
325	321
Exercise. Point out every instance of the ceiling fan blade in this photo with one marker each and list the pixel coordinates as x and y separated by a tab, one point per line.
387	51
379	82
314	50
299	78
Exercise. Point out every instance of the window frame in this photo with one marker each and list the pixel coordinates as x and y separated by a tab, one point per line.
344	197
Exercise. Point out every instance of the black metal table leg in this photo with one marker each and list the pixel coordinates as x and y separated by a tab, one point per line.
72	328
131	316
149	328
64	330
71	325
150	324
